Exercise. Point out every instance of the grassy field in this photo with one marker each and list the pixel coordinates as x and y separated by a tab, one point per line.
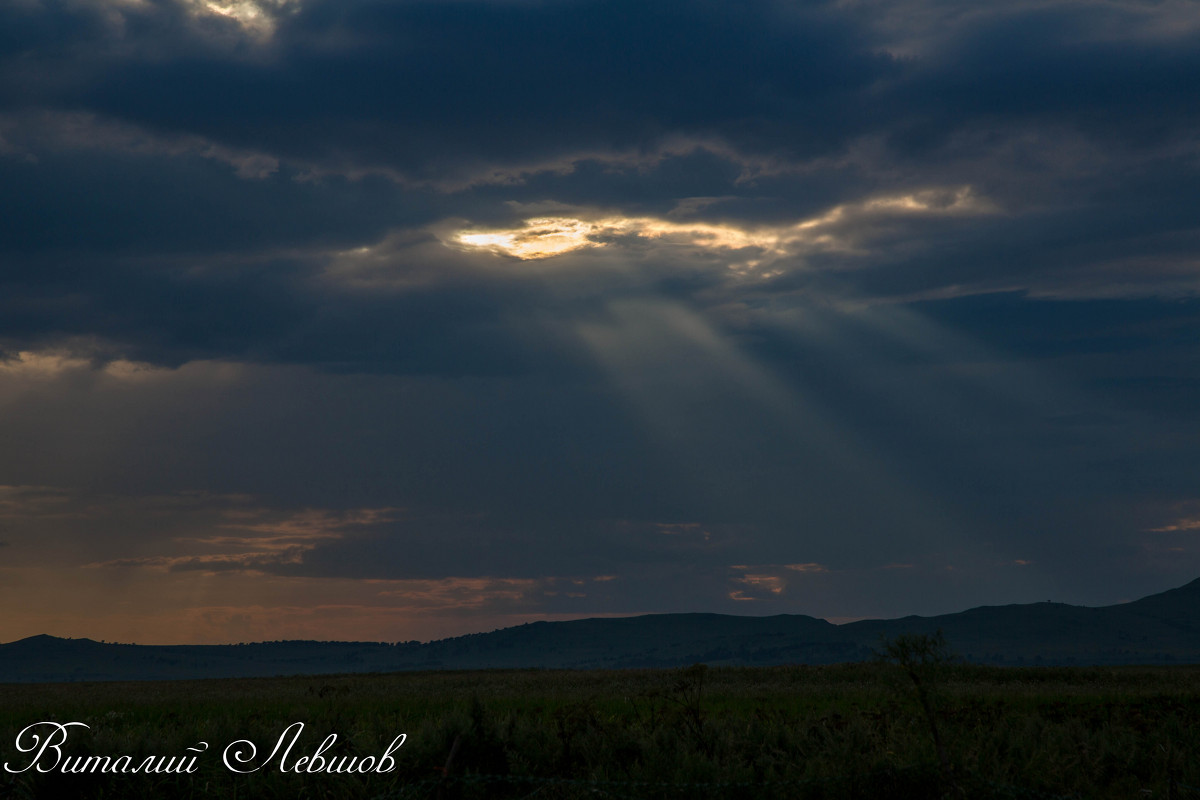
855	730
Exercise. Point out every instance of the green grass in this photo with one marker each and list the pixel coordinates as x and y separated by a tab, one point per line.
852	730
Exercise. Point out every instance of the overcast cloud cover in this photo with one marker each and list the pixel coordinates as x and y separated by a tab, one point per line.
392	319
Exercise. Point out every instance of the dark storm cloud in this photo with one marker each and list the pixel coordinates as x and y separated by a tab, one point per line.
185	132
274	311
1067	62
104	202
177	185
419	87
409	84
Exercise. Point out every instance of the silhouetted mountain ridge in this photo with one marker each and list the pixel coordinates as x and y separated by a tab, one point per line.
1159	629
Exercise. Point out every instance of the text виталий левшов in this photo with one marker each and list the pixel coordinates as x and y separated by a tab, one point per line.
42	745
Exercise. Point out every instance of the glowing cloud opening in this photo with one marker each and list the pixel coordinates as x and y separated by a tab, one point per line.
836	229
256	17
539	238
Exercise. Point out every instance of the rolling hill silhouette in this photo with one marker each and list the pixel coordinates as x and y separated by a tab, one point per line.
1159	629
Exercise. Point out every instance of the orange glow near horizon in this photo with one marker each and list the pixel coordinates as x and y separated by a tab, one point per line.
153	606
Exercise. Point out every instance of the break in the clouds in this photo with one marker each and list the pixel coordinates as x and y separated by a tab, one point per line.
404	319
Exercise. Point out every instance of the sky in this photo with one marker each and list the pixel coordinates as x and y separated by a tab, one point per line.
398	319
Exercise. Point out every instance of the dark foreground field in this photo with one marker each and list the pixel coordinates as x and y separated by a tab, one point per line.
781	732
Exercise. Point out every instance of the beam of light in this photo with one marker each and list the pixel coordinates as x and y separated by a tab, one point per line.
956	376
698	396
956	390
971	364
665	358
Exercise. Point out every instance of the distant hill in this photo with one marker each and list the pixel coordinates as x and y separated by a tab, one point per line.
1160	629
